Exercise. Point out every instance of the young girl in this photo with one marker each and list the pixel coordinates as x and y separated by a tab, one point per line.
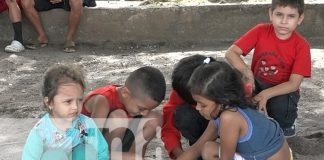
244	132
63	133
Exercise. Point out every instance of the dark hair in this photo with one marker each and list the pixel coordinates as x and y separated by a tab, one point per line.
219	82
61	74
148	81
299	4
182	73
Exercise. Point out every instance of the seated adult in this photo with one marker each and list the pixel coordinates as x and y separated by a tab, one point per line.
31	9
15	18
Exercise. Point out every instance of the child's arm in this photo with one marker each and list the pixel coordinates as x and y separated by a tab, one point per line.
33	148
99	107
230	128
233	56
284	88
194	151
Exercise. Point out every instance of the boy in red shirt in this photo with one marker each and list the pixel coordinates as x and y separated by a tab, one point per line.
120	110
280	62
15	18
179	114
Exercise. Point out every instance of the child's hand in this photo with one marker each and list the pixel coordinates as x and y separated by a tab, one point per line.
248	89
248	78
261	101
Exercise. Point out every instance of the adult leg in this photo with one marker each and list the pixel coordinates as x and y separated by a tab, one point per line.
15	18
34	18
74	20
189	122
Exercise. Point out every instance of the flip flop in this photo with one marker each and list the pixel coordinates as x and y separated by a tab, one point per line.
69	47
35	44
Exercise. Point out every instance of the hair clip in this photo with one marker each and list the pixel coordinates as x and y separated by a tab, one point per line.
207	60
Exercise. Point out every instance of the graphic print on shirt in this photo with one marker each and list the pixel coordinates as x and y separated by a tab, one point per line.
269	65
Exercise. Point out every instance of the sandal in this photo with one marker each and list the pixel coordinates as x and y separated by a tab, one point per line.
35	44
69	47
14	47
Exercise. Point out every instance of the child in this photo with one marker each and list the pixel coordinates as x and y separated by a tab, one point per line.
219	93
179	113
113	106
63	133
280	61
15	18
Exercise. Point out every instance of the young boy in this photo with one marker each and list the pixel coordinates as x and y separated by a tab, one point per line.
280	62
143	91
15	18
179	113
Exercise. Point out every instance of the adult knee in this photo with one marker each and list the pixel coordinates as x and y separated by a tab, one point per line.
75	4
27	4
209	151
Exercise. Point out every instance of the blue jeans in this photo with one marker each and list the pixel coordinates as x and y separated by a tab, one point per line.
282	108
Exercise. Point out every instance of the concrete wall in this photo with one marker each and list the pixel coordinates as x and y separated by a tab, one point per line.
199	25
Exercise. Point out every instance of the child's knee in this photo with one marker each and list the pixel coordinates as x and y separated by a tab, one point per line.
118	113
154	119
117	119
210	150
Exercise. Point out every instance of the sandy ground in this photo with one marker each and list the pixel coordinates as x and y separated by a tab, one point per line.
21	76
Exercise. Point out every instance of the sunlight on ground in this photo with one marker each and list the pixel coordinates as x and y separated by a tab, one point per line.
318	57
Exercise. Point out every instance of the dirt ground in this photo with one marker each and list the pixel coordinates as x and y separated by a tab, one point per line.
21	77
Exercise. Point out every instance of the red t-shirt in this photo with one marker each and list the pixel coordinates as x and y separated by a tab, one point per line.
274	60
110	93
4	6
170	134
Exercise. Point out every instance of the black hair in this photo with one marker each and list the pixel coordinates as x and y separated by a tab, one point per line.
299	4
148	81
182	73
219	82
61	74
